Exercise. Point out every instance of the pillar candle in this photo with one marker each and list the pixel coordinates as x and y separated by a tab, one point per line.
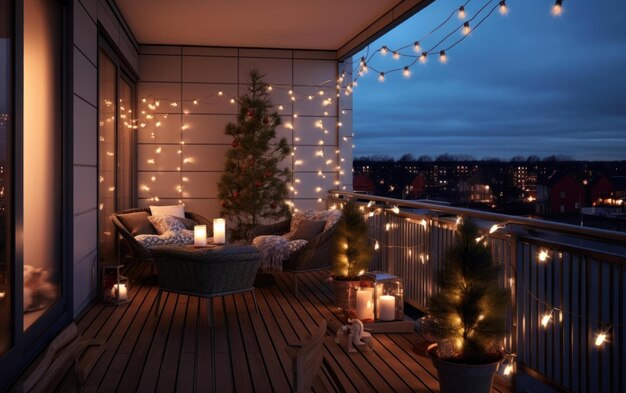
199	235
387	308
365	304
122	292
219	231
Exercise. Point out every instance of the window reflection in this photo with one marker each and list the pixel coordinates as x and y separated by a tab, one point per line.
5	170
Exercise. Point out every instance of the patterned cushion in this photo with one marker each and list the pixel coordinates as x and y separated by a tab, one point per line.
331	217
182	237
187	222
295	245
164	224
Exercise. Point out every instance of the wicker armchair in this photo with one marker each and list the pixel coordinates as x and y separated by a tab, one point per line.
316	255
131	248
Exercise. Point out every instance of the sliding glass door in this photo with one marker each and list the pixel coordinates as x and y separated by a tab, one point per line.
116	150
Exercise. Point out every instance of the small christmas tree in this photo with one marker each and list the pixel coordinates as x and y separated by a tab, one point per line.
352	252
253	188
470	306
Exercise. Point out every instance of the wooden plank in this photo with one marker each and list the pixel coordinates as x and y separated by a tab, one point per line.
170	361
239	361
153	362
204	375
223	371
269	352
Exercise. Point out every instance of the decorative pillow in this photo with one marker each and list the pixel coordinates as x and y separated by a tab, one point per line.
137	223
149	241
164	224
170	210
294	246
188	223
308	229
331	217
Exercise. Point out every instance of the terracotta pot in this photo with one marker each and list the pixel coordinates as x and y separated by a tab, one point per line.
344	295
461	378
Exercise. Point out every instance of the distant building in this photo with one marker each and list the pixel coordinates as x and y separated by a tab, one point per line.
559	194
362	183
601	191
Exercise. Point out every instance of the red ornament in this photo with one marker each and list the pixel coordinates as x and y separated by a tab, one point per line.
250	113
258	184
273	205
268	174
235	143
223	203
235	195
266	120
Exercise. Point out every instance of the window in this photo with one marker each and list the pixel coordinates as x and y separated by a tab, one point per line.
6	130
562	194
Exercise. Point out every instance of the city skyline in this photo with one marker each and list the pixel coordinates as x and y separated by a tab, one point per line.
526	83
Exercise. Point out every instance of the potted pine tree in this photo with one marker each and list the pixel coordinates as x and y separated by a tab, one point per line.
470	313
351	254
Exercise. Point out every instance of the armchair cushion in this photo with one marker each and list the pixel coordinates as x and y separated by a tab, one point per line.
307	229
137	223
331	217
165	224
170	210
181	237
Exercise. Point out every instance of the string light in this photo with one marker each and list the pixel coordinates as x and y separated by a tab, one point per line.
503	8
381	77
384	50
423	58
417	47
396	55
443	59
466	28
557	8
543	255
546	318
461	14
406	72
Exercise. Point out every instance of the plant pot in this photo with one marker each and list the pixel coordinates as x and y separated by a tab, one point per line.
343	291
461	378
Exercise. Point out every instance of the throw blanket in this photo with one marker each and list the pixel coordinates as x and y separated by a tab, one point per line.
276	249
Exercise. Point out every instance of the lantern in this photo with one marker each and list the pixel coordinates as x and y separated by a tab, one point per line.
387	296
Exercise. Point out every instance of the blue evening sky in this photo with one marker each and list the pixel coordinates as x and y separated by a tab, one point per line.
521	84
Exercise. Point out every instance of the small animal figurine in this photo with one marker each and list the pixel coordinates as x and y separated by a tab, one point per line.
353	335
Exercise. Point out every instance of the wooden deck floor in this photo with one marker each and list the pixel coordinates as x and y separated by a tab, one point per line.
242	351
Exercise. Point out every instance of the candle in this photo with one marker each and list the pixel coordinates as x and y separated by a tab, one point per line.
199	235
387	308
219	231
121	292
364	304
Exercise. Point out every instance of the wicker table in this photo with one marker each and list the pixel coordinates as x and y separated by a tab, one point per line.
206	271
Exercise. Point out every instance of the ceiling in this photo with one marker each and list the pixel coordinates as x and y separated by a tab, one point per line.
292	24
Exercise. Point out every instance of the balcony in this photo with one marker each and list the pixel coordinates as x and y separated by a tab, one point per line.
567	285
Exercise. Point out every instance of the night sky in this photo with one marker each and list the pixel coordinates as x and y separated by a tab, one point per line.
527	83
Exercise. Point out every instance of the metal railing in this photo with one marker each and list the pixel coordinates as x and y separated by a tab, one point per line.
575	275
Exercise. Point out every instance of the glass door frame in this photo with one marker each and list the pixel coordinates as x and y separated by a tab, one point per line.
123	73
26	345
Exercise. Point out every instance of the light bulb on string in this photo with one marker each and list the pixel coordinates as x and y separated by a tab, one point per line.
381	77
443	58
601	337
461	14
546	318
424	57
503	8
417	47
557	8
406	72
466	28
396	55
384	50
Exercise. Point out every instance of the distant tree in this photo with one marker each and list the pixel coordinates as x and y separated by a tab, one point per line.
491	159
425	158
381	158
518	159
551	158
533	158
564	158
406	157
465	157
446	157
